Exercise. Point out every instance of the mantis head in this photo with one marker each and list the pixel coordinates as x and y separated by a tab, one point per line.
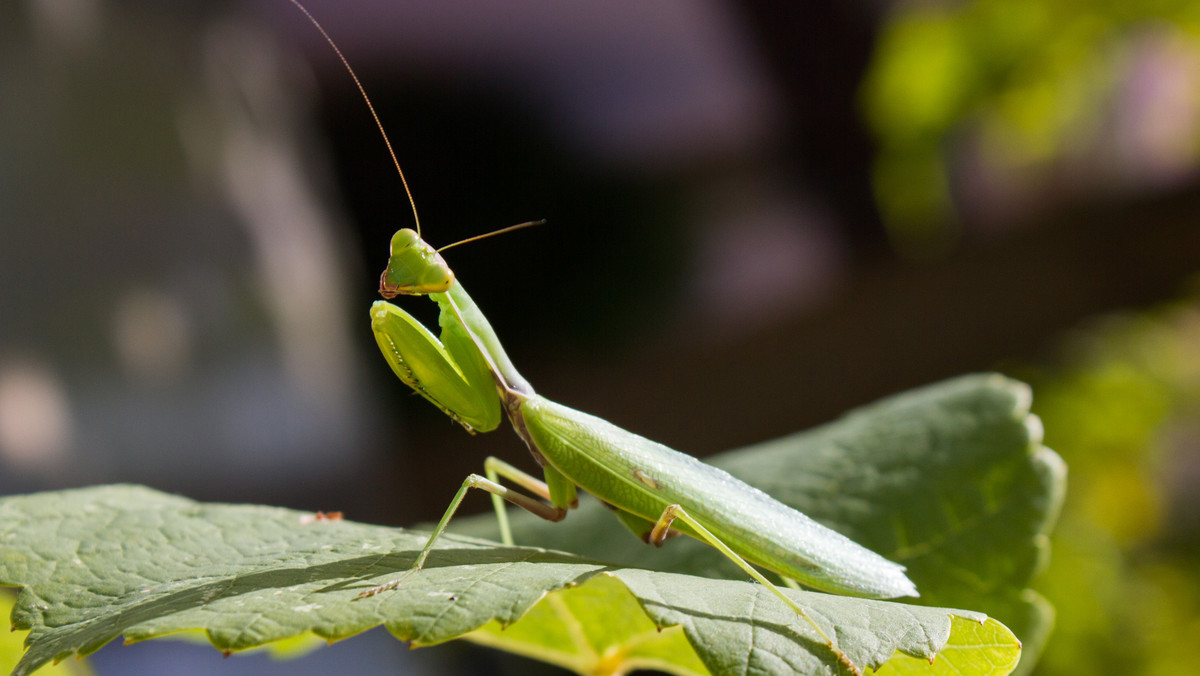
414	268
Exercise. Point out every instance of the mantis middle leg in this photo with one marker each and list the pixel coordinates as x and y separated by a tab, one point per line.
494	468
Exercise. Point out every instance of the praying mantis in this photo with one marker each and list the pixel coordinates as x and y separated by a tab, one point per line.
655	491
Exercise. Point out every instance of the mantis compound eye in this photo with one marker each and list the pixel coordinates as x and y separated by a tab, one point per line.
403	239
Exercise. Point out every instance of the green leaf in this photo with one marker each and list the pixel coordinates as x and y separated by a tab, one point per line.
962	653
950	480
574	629
102	562
11	648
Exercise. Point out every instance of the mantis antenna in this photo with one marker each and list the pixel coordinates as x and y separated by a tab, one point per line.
501	231
388	143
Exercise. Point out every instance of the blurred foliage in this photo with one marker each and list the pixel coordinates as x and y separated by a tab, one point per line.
1018	97
997	105
1123	409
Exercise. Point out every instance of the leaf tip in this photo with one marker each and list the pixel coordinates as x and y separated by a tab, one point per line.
1034	428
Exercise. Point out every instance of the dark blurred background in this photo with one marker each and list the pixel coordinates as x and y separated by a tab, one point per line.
760	215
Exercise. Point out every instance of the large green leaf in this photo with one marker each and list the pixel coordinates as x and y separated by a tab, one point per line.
102	562
950	480
11	648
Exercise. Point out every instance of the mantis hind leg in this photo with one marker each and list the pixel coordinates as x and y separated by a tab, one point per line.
548	512
662	530
640	527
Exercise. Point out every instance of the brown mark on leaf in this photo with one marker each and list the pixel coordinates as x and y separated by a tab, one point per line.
320	516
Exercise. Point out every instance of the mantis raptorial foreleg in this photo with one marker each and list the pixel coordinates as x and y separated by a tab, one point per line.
493	467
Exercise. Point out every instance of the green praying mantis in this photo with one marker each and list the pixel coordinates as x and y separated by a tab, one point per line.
655	491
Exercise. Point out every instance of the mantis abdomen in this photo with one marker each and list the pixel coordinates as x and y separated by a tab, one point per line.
643	477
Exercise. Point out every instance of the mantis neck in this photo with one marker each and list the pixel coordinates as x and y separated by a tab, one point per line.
456	302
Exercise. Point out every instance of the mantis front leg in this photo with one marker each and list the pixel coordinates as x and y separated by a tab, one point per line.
494	468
